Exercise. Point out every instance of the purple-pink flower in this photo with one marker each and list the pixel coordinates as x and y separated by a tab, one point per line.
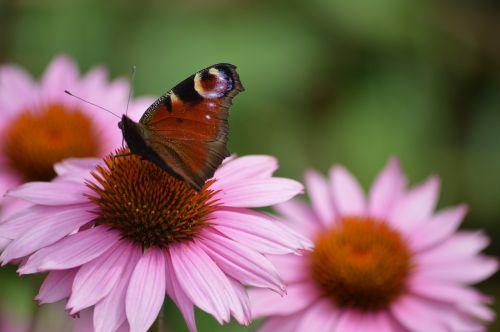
120	235
387	262
41	125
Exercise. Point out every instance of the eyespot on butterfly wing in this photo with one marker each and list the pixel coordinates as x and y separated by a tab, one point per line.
185	131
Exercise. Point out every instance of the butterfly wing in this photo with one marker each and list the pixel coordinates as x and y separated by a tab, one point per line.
188	126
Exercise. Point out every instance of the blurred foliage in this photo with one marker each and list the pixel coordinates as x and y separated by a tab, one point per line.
349	82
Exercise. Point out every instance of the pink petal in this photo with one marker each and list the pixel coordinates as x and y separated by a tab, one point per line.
256	231
458	247
8	179
146	290
347	193
56	286
321	199
444	291
416	316
477	310
50	193
469	271
174	290
4	242
441	226
281	324
245	265
292	268
416	206
17	91
387	188
300	216
355	321
49	229
79	165
115	99
21	221
202	281
321	316
449	316
267	303
94	84
246	167
83	322
258	192
95	279
109	314
72	251
60	75
240	306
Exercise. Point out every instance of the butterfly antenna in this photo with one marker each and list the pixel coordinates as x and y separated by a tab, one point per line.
131	88
88	102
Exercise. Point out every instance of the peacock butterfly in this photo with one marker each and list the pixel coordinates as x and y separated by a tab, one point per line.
185	131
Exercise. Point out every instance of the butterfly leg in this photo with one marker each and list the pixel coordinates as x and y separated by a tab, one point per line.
118	156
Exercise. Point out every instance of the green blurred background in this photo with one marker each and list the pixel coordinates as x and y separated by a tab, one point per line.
349	82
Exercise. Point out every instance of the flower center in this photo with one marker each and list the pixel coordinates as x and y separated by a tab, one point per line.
361	264
148	205
35	141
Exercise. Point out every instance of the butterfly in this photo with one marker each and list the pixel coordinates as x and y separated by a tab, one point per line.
185	131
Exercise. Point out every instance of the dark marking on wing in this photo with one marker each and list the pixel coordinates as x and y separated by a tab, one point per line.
167	101
186	92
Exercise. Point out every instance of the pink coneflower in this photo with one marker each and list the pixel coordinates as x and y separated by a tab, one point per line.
41	125
118	237
386	263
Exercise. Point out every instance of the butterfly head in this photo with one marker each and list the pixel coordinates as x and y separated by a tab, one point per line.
132	132
125	123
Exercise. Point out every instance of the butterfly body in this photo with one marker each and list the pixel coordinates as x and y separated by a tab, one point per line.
185	131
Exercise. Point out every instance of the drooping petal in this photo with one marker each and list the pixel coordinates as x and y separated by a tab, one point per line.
387	188
202	281
240	303
415	206
146	290
109	314
258	192
174	290
20	221
348	195
56	286
245	265
95	279
72	251
50	228
321	198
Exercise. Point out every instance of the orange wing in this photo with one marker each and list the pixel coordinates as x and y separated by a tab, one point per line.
188	126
